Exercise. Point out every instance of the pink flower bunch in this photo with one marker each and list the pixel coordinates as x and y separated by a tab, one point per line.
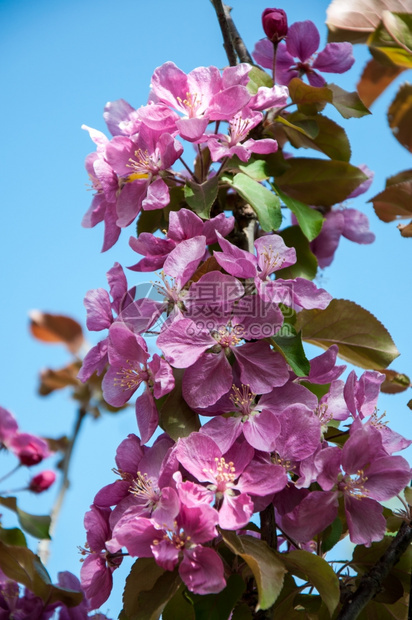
29	449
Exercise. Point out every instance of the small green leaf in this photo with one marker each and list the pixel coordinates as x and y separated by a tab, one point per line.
179	607
330	137
391	40
399	26
148	589
307	127
36	525
361	338
306	264
13	536
332	534
318	572
257	169
318	389
319	182
395	382
258	78
290	346
310	220
408	495
310	99
218	606
264	202
200	197
22	565
175	415
149	221
266	566
349	105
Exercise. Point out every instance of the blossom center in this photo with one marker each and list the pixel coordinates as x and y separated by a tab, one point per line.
228	336
191	104
129	378
354	485
144	489
239	129
243	400
142	165
271	261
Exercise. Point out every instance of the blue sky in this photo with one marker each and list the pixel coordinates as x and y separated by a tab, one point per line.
62	61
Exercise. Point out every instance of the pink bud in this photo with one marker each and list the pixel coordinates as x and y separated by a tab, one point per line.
42	481
275	24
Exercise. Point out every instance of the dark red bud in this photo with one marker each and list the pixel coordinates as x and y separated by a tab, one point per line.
42	481
275	24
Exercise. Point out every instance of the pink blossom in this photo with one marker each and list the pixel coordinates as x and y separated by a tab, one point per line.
297	56
42	481
201	95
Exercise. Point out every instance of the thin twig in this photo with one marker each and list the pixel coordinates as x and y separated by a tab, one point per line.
43	549
236	39
370	583
224	27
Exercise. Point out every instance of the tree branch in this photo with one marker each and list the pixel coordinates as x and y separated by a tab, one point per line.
43	547
224	27
370	583
237	40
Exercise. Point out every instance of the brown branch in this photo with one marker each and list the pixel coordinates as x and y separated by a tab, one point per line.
370	583
224	27
43	549
236	39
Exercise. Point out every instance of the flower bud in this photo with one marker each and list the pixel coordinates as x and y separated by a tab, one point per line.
42	481
275	24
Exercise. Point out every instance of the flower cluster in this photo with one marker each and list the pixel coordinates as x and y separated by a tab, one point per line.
218	310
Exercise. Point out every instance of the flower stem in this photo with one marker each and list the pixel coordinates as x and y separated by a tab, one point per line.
43	547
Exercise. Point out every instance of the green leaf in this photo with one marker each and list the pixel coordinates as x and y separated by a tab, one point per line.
361	338
175	415
200	197
332	534
242	612
310	220
395	382
218	606
319	182
392	39
267	568
149	221
399	26
13	536
318	389
307	126
148	588
349	105
258	78
309	99
22	565
408	495
290	346
257	169
318	572
306	264
400	116
330	137
179	607
36	525
264	202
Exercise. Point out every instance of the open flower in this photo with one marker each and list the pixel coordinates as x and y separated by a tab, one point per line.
297	57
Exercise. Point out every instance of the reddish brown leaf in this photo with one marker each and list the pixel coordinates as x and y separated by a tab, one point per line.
400	116
395	202
56	328
406	229
210	264
375	78
51	380
395	382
